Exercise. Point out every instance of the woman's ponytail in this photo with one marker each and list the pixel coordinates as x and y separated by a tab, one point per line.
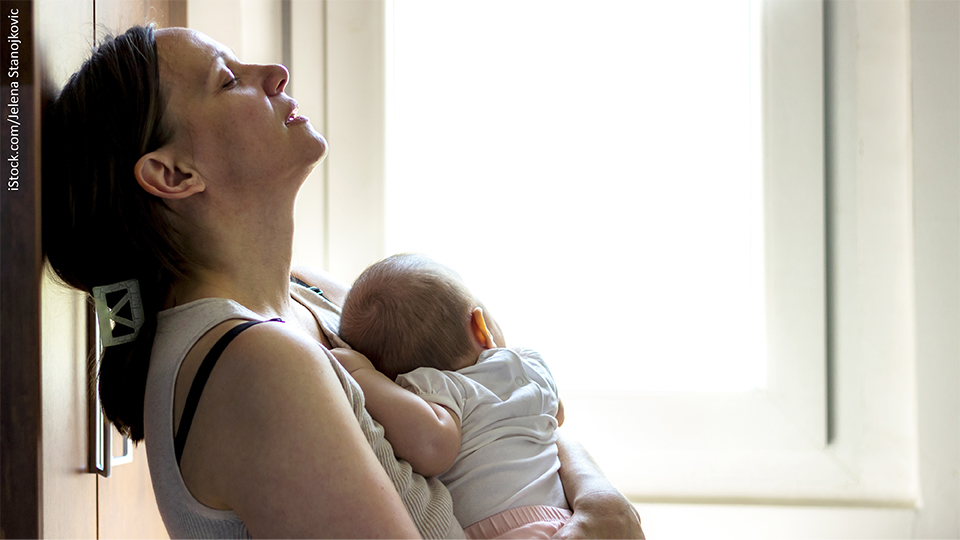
99	226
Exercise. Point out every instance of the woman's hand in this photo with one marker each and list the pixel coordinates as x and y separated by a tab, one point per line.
599	509
602	515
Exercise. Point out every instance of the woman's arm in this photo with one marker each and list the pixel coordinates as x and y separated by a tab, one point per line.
599	509
425	434
275	440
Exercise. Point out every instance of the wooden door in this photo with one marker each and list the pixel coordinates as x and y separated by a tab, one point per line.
48	489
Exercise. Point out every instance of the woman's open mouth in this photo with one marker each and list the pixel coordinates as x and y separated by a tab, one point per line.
294	117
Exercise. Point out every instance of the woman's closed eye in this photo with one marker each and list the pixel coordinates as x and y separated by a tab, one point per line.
230	84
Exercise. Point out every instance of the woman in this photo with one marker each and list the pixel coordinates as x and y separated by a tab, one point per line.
168	161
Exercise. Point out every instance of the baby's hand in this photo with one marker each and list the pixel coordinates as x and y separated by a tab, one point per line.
351	360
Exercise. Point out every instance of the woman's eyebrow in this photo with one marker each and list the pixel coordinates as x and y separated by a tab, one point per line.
220	57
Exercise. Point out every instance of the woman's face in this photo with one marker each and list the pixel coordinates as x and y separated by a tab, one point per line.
234	125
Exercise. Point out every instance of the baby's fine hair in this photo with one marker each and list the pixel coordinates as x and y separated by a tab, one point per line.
408	311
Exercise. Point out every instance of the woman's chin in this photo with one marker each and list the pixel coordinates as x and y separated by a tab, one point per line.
318	153
320	148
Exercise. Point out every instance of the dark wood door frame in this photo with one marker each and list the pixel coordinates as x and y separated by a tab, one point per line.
21	262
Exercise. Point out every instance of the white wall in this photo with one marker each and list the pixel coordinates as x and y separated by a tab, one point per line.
935	49
252	28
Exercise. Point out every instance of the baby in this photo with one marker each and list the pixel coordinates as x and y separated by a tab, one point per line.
480	417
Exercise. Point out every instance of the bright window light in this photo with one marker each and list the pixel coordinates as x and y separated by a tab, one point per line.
592	170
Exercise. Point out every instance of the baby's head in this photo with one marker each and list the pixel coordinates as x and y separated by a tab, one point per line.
408	311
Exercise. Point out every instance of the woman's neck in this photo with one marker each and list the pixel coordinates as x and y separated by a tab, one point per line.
245	262
264	290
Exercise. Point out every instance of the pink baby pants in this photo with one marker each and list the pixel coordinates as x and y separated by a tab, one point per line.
523	522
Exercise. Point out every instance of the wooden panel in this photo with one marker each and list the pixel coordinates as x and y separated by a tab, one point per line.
175	10
118	15
20	398
69	490
64	36
128	508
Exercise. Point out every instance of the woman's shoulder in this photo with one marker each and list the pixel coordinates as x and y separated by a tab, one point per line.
277	358
266	347
272	354
262	384
274	434
270	366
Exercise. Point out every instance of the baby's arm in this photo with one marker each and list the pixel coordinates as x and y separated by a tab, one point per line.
424	434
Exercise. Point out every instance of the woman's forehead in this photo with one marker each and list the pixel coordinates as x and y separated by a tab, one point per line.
187	55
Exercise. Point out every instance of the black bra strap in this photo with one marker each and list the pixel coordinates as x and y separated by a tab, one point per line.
200	380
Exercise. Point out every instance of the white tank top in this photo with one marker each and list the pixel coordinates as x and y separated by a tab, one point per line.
178	329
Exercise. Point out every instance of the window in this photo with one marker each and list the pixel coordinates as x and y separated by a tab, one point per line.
600	176
769	443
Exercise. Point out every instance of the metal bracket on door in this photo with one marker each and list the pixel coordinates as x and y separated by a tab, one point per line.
100	434
103	458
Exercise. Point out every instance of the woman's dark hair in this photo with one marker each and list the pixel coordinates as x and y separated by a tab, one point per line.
99	226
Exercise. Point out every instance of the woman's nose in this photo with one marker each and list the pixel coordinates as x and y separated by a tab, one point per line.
276	79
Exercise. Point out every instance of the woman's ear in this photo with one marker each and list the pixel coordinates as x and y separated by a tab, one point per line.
157	172
478	329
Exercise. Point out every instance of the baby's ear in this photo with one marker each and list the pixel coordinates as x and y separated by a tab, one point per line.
159	174
478	329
